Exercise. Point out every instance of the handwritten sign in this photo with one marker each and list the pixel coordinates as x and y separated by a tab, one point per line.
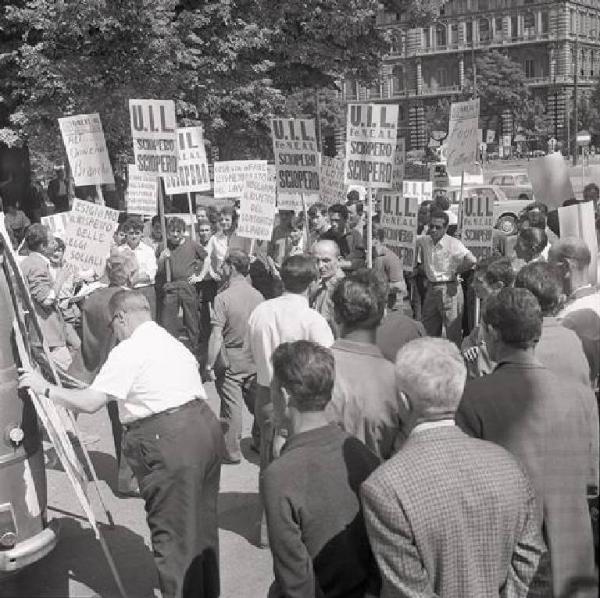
463	136
422	190
153	127
231	176
399	165
294	202
57	224
191	162
89	235
478	224
86	149
257	210
370	144
296	157
142	192
332	188
399	220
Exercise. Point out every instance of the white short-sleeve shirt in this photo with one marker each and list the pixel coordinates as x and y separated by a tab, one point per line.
146	260
284	319
442	260
148	373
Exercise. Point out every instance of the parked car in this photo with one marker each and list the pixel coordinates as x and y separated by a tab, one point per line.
516	185
506	211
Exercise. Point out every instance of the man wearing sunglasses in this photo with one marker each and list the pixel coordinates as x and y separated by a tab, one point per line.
443	259
173	441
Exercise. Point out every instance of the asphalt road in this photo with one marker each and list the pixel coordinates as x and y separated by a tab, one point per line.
77	568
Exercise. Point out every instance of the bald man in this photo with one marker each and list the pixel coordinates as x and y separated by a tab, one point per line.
327	256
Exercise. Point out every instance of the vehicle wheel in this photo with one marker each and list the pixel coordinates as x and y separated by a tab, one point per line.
524	197
507	223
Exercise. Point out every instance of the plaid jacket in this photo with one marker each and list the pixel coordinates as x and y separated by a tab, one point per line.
451	516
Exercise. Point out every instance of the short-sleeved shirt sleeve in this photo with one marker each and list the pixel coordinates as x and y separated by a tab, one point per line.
117	375
219	316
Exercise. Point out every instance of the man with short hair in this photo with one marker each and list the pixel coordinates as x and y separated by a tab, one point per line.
316	529
16	222
319	222
349	240
581	312
364	400
58	191
173	442
153	238
530	246
144	278
233	306
449	515
327	256
444	258
541	419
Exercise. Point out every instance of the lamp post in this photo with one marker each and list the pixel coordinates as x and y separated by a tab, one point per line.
575	90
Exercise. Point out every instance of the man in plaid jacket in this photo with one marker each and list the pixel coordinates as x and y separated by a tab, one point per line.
450	515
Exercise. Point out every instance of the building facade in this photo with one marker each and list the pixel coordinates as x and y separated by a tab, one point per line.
557	43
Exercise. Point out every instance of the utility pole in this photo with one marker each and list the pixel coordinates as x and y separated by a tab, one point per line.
576	90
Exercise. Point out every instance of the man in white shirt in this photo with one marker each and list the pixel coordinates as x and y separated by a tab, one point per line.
444	257
143	280
173	441
283	319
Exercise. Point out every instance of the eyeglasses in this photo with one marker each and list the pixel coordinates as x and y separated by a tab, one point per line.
436	226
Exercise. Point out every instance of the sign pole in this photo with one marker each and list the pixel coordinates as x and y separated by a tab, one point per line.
304	210
189	197
369	226
461	202
252	244
163	226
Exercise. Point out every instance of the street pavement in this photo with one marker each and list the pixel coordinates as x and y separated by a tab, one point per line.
77	568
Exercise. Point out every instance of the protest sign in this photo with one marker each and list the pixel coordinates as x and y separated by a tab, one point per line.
89	235
57	224
142	192
257	210
370	144
399	165
231	176
332	188
478	224
579	221
463	137
399	221
192	163
422	190
86	149
490	136
153	127
296	157
550	181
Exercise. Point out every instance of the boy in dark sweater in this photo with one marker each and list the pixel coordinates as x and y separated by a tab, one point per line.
187	259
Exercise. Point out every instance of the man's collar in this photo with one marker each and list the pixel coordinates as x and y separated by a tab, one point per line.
343	344
582	291
431	425
46	260
519	357
310	437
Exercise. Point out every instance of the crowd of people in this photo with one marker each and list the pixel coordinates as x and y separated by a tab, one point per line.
406	449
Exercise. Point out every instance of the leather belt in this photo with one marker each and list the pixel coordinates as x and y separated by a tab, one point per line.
144	420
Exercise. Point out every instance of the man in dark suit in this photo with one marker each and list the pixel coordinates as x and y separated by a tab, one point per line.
58	191
543	421
449	515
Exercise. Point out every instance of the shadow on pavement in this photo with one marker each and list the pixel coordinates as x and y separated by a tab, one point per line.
239	512
78	557
106	468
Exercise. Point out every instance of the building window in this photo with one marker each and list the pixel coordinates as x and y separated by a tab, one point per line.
499	29
530	69
453	41
397	79
425	37
441	77
440	36
469	31
514	27
401	114
529	24
545	23
484	30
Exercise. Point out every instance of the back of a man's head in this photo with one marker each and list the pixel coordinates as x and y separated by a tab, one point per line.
572	250
129	302
496	270
240	260
297	272
432	372
545	283
37	237
516	316
306	371
120	268
359	300
534	240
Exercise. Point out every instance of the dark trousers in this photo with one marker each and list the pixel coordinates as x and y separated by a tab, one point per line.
176	458
175	295
229	388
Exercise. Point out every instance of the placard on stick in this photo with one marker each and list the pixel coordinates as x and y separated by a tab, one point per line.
142	192
57	224
463	136
230	176
399	220
191	162
370	145
86	149
332	187
399	165
89	235
257	210
478	224
422	190
579	221
153	127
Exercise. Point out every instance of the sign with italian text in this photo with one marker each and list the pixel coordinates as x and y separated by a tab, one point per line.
399	165
231	176
371	144
153	128
399	221
478	224
86	149
57	224
142	192
463	136
257	210
192	164
332	188
296	156
89	236
422	190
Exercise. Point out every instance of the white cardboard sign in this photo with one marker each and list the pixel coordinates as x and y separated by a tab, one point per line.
478	224
142	192
257	210
192	163
399	220
463	136
231	176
